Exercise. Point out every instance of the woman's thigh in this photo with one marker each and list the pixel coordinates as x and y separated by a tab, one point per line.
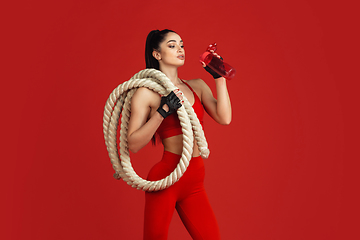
198	217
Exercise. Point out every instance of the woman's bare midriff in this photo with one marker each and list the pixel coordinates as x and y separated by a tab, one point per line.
174	144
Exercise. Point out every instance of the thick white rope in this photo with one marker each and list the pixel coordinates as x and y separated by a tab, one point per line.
119	101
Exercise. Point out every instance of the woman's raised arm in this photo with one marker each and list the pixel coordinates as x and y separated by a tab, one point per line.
219	109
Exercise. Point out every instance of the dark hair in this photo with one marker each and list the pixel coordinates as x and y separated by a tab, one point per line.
153	40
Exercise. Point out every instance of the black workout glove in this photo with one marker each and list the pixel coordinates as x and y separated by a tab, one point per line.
173	103
212	72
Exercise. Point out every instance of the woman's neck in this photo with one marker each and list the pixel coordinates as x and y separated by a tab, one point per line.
172	74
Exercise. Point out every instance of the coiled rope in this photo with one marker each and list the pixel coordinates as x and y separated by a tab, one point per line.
119	101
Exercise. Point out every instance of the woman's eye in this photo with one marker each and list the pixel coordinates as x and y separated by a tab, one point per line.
171	46
182	46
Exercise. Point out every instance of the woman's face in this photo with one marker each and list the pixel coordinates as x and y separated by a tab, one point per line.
172	51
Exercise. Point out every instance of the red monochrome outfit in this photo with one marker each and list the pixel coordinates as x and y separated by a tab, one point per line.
187	196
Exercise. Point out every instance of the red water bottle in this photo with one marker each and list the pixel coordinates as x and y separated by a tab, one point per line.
216	64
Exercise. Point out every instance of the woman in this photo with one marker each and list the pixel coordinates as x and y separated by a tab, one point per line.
151	114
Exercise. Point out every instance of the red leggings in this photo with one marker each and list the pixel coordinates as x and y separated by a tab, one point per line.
187	196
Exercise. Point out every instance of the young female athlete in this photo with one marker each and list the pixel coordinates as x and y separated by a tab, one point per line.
154	114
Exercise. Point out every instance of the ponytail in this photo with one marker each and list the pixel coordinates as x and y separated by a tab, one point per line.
153	40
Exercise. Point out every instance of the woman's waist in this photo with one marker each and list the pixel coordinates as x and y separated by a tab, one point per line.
172	159
195	172
174	145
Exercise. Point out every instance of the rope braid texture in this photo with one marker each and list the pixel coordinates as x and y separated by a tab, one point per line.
119	101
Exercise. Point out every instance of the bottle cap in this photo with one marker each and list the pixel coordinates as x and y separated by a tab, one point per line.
212	47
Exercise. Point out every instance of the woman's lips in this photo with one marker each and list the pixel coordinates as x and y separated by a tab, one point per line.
182	57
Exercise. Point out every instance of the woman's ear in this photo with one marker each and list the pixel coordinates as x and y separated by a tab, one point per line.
156	54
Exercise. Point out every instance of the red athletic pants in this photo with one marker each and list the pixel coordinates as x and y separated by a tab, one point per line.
187	196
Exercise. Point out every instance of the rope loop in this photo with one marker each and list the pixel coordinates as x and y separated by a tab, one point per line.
119	104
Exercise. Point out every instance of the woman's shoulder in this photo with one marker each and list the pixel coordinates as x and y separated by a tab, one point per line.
196	83
145	96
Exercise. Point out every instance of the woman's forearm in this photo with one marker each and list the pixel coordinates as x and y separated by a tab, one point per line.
223	106
141	137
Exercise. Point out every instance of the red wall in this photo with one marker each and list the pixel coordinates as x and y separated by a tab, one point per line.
275	173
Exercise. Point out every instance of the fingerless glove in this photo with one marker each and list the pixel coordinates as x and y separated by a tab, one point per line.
173	103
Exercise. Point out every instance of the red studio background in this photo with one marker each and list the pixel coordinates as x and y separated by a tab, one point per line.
276	172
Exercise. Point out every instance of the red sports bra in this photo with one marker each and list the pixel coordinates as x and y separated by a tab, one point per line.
170	126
